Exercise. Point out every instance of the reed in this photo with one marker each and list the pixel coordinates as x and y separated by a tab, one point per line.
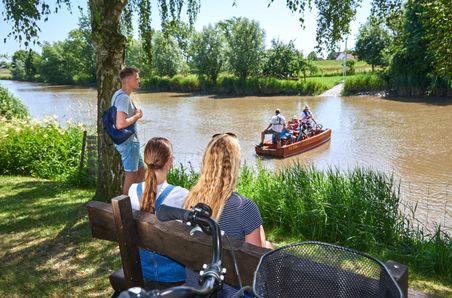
227	84
357	209
368	83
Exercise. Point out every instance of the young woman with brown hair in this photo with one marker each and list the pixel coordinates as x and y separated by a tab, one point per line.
148	196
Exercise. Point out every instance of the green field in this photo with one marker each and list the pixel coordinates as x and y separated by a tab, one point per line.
329	67
46	248
5	74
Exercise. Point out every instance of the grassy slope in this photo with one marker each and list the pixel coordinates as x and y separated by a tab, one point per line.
46	248
335	66
5	74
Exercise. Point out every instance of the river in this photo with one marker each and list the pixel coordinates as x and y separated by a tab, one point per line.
411	140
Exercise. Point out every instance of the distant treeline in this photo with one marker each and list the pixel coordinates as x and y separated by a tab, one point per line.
230	57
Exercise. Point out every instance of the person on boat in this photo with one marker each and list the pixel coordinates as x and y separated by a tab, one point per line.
238	217
306	119
158	271
274	127
294	122
285	135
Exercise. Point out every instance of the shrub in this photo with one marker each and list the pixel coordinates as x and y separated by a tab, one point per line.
39	149
11	106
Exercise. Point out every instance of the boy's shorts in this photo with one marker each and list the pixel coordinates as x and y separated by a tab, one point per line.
130	156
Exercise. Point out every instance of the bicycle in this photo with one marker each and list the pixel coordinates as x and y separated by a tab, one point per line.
212	275
305	269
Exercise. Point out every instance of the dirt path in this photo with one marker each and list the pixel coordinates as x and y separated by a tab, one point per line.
334	92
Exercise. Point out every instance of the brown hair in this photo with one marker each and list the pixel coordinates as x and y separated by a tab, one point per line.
156	154
127	72
219	171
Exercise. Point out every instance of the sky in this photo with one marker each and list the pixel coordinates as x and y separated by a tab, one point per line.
276	20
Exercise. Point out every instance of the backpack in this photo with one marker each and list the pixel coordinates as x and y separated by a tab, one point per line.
118	136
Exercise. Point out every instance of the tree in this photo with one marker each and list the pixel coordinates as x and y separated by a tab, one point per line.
280	59
167	58
25	65
438	27
410	64
109	43
371	43
245	49
331	55
208	52
55	68
312	56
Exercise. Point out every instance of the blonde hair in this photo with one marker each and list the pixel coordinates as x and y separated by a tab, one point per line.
219	171
156	154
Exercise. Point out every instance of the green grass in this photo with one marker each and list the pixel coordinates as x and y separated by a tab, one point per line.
334	67
329	82
5	74
46	248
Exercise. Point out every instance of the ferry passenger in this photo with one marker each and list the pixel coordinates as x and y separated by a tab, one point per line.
274	127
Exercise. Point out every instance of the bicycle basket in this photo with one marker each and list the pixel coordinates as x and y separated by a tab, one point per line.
316	269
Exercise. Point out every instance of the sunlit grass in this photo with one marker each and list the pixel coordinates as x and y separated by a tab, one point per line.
5	74
334	67
46	248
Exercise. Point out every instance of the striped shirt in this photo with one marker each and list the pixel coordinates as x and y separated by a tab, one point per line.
239	218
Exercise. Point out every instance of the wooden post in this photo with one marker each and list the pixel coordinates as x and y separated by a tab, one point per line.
126	233
82	157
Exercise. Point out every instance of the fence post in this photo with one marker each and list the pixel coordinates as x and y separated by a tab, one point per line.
82	157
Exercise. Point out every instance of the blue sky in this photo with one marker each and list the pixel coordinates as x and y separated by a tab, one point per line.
276	20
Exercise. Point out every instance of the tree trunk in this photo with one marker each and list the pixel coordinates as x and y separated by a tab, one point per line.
109	45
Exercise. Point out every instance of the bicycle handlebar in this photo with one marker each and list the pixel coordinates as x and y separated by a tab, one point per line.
167	213
212	275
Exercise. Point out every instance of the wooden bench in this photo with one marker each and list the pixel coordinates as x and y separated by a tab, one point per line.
133	229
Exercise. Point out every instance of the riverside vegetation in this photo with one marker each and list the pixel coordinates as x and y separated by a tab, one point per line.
46	247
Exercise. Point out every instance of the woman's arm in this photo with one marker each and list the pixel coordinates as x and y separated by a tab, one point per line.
257	237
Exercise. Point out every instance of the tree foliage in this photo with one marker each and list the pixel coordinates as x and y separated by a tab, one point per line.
281	59
25	65
167	58
245	40
411	69
438	27
312	56
208	52
371	43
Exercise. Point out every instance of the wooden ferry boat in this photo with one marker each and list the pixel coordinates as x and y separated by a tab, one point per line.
318	138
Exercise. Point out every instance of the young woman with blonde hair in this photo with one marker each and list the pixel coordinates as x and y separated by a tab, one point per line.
237	216
148	196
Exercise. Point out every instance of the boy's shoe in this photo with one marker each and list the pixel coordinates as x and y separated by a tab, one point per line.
260	145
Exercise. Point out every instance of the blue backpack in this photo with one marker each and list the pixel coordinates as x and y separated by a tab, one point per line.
118	136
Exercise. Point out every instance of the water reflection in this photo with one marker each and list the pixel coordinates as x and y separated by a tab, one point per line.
410	140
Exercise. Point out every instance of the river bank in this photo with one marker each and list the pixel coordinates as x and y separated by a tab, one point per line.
370	132
46	246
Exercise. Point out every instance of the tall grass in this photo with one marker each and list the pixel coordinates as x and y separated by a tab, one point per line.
364	84
357	209
233	86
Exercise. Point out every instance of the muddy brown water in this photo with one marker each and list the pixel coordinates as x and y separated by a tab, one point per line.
411	140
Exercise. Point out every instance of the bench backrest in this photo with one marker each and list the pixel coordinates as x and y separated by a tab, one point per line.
133	229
